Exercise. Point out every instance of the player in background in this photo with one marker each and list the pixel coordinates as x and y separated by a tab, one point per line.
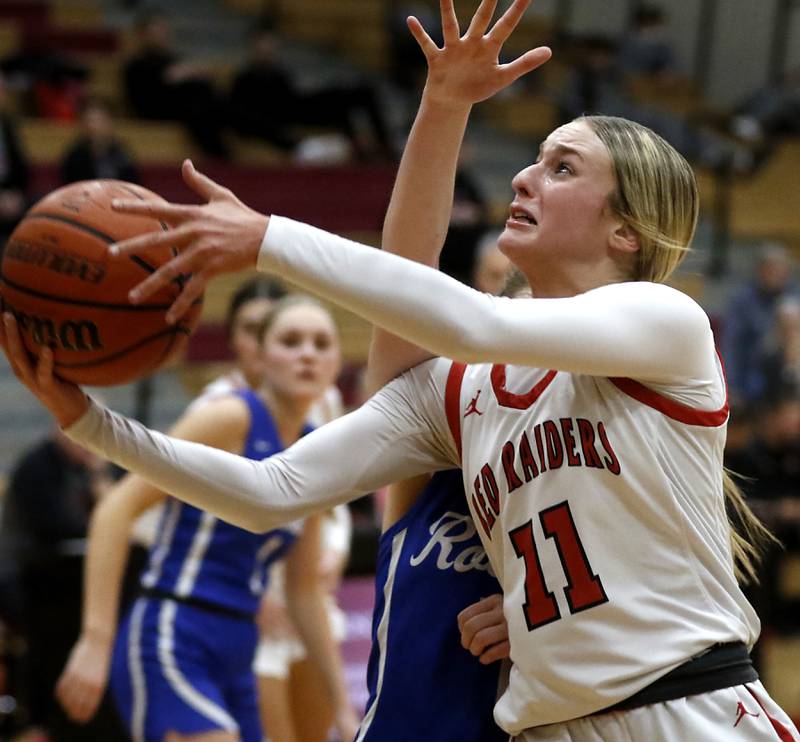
285	676
595	468
182	659
432	576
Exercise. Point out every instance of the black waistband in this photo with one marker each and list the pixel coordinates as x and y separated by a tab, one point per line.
203	605
722	666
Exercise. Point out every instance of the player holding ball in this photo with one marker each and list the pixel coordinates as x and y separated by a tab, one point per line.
594	470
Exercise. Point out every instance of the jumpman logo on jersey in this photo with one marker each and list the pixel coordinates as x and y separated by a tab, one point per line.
472	407
741	712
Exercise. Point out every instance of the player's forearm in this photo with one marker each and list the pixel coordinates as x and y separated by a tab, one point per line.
642	330
104	567
419	211
337	463
309	613
417	219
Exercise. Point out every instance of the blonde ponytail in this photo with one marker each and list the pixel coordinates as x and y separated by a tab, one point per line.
749	536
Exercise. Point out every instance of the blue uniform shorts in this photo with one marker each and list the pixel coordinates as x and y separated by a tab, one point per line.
180	668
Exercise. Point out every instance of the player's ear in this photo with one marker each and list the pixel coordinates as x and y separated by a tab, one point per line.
624	239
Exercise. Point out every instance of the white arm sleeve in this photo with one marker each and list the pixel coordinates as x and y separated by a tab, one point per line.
640	330
400	432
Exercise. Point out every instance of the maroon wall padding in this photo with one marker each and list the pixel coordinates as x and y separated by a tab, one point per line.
340	199
24	12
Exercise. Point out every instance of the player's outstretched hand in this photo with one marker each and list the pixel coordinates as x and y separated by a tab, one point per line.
220	236
467	68
484	631
81	686
64	400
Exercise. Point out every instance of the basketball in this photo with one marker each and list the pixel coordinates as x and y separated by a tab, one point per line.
57	279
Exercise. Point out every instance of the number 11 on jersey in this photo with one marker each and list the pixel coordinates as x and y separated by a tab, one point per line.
584	588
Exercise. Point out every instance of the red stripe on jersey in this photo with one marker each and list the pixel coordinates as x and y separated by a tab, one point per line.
783	733
452	402
517	401
670	407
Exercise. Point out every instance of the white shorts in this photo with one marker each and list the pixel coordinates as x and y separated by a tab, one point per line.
274	657
744	713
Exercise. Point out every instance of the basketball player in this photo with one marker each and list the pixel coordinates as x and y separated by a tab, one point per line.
593	454
285	676
182	661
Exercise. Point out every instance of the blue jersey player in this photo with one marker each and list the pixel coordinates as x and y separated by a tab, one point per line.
422	683
181	667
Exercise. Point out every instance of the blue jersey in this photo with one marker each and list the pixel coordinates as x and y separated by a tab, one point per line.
183	656
198	557
422	683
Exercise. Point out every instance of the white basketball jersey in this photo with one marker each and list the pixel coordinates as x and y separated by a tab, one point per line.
601	508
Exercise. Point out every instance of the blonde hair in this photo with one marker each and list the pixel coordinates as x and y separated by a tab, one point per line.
656	194
657	197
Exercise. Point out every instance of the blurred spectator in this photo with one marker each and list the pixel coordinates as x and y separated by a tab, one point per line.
596	85
161	85
50	495
52	84
781	360
264	102
469	220
492	269
97	153
751	320
772	111
13	171
769	460
645	50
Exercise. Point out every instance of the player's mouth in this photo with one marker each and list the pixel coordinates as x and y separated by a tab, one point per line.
519	216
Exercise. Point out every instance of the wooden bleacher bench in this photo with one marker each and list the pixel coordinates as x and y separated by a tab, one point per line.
9	39
526	114
45	141
72	14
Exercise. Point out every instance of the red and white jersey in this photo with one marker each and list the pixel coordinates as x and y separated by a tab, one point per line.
599	499
600	504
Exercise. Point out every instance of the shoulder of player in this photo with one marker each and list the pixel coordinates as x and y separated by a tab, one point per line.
652	300
217	422
431	374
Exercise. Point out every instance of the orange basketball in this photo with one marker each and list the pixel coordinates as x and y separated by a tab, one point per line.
58	281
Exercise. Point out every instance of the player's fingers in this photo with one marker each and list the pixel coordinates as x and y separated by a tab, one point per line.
178	237
68	696
424	41
191	293
170	271
44	368
525	64
450	30
484	605
486	637
508	21
201	184
15	350
482	18
170	213
471	611
474	625
499	651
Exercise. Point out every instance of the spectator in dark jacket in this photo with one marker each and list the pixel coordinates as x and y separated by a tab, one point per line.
51	493
161	85
97	153
13	171
264	102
